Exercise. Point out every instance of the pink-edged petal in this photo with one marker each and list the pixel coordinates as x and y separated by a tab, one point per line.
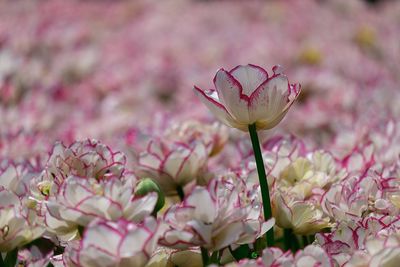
270	98
175	161
204	230
271	101
212	103
93	256
104	236
140	207
230	94
228	235
205	211
134	242
250	77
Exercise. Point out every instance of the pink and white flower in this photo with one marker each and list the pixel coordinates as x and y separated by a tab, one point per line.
214	217
379	251
303	216
80	201
214	136
120	243
247	95
89	158
19	221
274	257
18	225
173	164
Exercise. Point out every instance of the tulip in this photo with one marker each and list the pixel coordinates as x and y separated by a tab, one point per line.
247	95
248	99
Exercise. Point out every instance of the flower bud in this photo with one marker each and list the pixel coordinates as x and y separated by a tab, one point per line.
146	186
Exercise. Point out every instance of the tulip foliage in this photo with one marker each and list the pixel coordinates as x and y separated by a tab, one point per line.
120	147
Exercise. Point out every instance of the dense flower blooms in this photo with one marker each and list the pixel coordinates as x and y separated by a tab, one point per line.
379	251
19	221
247	95
89	158
351	237
333	169
214	217
79	201
274	257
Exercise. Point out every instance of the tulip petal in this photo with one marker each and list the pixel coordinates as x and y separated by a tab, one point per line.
206	211
211	101
270	102
230	94
250	77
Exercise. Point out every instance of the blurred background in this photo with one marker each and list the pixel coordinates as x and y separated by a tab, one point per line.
116	70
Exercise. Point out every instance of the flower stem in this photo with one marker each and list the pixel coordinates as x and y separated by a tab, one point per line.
181	193
305	241
287	233
11	258
291	242
204	256
263	180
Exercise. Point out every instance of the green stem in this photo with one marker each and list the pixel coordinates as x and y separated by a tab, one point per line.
204	256
305	240
1	259
263	181
215	257
243	251
11	258
291	241
287	234
181	193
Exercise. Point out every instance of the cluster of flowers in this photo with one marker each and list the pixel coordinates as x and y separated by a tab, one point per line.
179	188
173	204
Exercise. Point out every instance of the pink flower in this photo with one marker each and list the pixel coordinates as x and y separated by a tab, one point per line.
17	222
214	136
89	159
119	243
173	164
247	95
